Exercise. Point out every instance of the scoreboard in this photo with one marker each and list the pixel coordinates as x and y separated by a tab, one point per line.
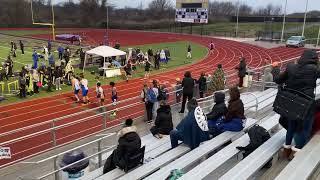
192	11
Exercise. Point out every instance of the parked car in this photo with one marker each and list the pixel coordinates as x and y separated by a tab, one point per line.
296	41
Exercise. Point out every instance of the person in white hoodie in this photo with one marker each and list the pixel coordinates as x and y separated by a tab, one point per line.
162	56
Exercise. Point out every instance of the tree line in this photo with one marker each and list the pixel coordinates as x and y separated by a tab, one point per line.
93	13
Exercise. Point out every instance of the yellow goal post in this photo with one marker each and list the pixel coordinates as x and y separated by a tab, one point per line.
52	24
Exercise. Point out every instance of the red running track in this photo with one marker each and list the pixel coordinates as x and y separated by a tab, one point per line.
36	111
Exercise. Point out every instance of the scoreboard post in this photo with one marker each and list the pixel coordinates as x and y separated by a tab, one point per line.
192	11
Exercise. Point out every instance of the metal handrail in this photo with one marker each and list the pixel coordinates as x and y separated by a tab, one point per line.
62	153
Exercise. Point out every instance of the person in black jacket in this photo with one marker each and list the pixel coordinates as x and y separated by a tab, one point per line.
163	123
275	70
242	68
301	77
188	86
219	109
21	47
129	142
202	84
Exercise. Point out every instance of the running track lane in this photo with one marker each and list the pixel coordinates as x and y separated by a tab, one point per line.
227	53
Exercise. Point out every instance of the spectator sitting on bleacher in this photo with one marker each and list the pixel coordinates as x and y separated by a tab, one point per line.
193	129
163	123
233	121
219	110
300	77
129	142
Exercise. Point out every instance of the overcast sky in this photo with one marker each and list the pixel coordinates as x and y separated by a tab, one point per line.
293	5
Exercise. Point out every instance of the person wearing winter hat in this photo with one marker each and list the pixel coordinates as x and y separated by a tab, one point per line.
193	129
129	142
219	109
275	70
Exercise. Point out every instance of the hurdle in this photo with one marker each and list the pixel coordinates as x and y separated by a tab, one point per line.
14	84
52	24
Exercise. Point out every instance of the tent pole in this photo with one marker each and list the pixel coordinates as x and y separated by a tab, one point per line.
104	65
84	63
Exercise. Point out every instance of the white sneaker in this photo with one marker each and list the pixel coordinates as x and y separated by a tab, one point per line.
60	89
57	89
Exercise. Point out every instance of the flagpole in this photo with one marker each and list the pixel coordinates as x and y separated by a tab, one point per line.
284	20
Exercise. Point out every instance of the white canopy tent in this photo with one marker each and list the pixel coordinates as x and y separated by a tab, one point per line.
104	51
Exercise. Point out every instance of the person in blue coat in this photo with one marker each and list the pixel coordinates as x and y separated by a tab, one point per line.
60	51
35	58
193	129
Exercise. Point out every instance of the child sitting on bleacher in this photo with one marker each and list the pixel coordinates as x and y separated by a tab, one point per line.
234	118
129	142
193	129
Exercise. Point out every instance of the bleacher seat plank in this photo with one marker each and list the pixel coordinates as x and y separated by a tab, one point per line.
305	162
252	163
194	155
206	167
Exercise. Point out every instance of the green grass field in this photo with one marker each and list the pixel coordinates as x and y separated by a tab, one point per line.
177	50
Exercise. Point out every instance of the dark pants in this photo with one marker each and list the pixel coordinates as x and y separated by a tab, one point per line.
184	100
22	91
241	81
301	136
201	94
109	164
175	137
154	130
149	107
157	65
35	88
60	56
22	50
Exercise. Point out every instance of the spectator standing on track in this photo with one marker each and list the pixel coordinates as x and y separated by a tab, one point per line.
275	70
156	104
242	70
188	86
22	85
167	53
35	58
300	77
75	87
35	79
202	84
21	47
193	129
60	52
100	94
114	93
163	122
129	143
189	52
58	75
84	89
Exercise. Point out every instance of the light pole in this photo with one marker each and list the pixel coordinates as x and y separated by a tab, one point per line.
305	17
284	20
237	14
318	37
